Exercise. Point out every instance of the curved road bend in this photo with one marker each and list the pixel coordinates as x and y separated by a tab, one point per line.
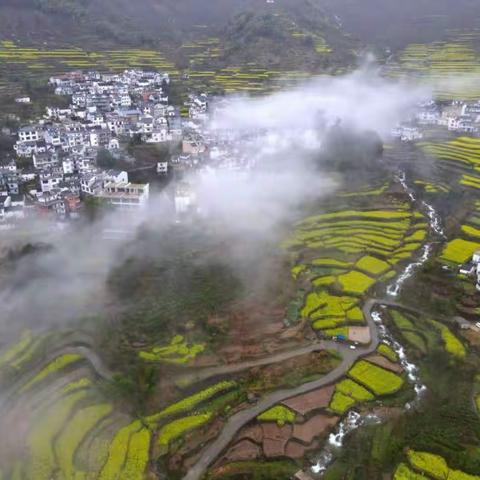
221	370
208	372
237	421
96	363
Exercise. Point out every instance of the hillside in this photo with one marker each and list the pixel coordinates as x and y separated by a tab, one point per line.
250	40
394	24
299	35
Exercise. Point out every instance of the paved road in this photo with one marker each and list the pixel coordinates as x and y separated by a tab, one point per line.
9	396
221	370
237	421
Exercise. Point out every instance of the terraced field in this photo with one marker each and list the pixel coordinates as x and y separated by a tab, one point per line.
425	335
452	65
461	248
177	352
73	432
430	466
204	72
460	157
365	382
432	187
31	63
339	256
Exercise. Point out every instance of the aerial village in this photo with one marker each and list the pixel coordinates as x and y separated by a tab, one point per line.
55	165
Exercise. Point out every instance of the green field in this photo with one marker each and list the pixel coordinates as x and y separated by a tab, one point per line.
451	65
345	252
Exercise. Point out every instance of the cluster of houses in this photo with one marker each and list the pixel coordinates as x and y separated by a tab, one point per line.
106	111
457	116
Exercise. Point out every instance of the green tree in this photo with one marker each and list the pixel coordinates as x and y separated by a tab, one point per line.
105	159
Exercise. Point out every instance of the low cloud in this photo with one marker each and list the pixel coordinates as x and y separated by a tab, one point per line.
363	100
278	137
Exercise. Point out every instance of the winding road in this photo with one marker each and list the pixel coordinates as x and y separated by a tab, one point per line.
238	420
220	370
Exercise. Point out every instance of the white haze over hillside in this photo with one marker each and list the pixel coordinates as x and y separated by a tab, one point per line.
289	128
363	100
50	287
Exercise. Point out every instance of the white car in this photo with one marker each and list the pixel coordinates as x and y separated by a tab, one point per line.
353	347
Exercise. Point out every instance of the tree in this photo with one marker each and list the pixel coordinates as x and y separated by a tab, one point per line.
105	159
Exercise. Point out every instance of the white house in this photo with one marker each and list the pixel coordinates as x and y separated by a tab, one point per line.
162	168
49	182
23	100
29	134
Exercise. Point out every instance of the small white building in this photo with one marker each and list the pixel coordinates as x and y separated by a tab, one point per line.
472	267
23	100
28	134
162	168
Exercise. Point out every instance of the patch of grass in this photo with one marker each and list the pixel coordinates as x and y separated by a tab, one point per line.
436	466
254	470
354	390
401	321
340	403
279	414
179	427
387	352
40	442
191	402
355	282
334	332
77	385
372	265
16	349
74	432
53	367
137	456
178	352
459	250
355	315
452	344
403	472
118	451
375	378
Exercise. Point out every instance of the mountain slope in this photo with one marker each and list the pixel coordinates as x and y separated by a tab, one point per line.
394	24
288	33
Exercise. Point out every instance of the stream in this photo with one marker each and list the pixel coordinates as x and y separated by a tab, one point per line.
436	227
354	420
